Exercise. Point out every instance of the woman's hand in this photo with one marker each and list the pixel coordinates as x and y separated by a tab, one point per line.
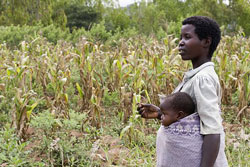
148	111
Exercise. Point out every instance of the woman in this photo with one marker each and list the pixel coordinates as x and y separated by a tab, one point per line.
200	37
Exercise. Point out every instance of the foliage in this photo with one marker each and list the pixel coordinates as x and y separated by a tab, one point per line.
79	16
13	35
99	33
117	18
12	150
73	96
241	12
110	98
146	18
21	12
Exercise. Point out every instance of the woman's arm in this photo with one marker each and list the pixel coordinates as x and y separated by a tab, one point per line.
210	149
208	108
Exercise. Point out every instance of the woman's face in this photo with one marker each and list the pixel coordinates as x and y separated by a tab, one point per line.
190	46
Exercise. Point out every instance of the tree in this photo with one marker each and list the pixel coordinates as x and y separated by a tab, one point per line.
241	10
20	12
173	9
81	16
146	17
117	18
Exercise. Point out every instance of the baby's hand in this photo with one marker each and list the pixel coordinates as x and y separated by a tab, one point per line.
148	110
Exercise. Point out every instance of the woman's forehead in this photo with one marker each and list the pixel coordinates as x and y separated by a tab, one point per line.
188	28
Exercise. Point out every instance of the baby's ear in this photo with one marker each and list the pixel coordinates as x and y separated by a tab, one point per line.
180	115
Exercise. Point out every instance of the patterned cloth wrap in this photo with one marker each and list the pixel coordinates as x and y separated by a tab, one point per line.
180	144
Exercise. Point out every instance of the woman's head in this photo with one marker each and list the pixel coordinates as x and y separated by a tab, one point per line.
207	36
205	28
176	106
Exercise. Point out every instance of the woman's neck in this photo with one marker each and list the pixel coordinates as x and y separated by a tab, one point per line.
198	62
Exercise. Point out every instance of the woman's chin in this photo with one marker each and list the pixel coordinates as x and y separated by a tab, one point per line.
184	57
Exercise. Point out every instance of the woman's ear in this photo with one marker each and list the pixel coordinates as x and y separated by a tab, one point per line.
207	42
180	115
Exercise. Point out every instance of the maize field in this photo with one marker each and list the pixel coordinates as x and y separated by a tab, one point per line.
75	105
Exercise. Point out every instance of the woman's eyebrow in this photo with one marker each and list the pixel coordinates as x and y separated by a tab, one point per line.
187	33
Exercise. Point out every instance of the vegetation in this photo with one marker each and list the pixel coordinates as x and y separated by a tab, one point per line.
55	19
65	105
69	84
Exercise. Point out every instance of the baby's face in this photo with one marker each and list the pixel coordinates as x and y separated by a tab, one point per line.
168	116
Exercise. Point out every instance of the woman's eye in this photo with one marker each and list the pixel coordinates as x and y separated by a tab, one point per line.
187	36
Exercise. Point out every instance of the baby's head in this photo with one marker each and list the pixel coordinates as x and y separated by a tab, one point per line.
175	107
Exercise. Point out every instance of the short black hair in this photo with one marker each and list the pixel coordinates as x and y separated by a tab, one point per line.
205	27
180	101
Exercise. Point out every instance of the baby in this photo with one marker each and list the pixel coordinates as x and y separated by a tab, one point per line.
179	143
175	107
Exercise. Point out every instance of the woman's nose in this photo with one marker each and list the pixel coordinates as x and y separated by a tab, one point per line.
181	43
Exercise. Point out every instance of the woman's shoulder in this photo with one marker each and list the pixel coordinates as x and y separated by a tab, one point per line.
207	73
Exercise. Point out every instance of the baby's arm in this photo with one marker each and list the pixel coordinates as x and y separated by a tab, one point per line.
149	111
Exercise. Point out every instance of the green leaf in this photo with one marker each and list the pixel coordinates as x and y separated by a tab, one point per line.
9	71
89	67
18	70
58	122
124	130
79	89
146	92
66	97
31	109
93	99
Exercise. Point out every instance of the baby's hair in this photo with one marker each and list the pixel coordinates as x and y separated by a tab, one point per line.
181	101
205	27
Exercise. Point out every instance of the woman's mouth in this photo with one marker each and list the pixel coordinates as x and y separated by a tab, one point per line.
181	51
